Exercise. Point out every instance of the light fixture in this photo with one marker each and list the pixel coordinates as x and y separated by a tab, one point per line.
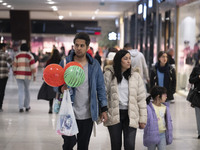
60	17
9	6
96	11
4	4
93	17
1	1
54	8
51	2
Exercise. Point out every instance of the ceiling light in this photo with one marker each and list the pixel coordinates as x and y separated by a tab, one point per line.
4	4
51	2
9	6
54	8
60	17
1	1
93	17
96	11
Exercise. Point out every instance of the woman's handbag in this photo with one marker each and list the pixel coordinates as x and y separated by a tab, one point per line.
194	97
46	92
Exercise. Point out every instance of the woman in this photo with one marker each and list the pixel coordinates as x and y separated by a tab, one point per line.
195	79
24	68
164	75
126	101
46	92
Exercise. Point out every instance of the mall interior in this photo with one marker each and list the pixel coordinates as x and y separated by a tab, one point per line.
148	25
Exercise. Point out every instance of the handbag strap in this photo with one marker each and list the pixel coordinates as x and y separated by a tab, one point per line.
64	62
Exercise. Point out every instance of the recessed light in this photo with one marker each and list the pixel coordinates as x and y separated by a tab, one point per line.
60	17
4	4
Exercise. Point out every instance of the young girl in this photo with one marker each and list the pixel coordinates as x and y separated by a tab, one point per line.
158	130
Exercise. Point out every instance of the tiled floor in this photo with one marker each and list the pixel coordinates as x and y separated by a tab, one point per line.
35	130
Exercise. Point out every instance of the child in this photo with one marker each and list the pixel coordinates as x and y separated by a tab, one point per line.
158	130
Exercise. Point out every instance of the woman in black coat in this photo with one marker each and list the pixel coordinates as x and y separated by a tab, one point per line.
164	75
46	92
195	79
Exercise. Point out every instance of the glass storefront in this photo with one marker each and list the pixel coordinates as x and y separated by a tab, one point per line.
188	44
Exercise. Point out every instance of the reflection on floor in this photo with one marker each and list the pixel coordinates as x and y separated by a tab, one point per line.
35	130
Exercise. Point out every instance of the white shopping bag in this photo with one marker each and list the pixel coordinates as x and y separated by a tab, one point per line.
66	123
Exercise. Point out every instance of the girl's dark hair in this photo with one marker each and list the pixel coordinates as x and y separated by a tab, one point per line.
160	54
83	36
155	91
117	66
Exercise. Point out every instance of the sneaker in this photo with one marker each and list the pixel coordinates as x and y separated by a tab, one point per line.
172	101
21	110
27	109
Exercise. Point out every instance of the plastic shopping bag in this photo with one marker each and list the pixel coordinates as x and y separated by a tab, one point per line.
66	123
57	103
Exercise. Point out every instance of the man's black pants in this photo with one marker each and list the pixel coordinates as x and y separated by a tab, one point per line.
83	137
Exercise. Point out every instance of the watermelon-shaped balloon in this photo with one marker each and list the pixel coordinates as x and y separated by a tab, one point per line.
74	76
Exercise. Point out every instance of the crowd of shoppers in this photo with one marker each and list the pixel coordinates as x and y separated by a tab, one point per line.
116	96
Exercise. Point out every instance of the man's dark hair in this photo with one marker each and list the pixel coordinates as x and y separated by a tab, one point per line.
2	45
127	45
83	36
117	66
24	47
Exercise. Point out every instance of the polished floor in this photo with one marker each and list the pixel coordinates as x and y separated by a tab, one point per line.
35	130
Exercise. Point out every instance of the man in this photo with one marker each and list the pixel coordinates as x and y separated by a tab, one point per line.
84	97
138	60
170	54
4	70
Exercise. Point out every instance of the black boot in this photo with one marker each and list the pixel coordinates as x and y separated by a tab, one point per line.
50	106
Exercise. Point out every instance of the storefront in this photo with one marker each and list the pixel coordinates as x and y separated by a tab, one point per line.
188	45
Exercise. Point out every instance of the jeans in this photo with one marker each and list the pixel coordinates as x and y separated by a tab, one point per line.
3	83
197	112
23	93
129	133
83	137
161	145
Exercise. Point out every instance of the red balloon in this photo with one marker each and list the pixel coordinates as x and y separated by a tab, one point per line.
72	63
54	75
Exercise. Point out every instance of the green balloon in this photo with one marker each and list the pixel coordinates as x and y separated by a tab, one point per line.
74	76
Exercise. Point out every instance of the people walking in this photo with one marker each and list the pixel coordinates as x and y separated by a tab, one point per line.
195	79
126	101
24	69
158	130
47	92
89	98
5	59
164	75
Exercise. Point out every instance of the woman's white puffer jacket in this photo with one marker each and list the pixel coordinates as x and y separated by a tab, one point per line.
137	98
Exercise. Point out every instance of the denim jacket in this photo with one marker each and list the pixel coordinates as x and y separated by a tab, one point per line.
96	86
151	131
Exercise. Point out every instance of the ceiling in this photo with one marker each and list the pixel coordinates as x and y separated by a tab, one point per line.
69	9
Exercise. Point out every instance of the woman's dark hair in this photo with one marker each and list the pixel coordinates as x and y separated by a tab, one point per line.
24	47
117	66
155	91
83	36
55	57
160	54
